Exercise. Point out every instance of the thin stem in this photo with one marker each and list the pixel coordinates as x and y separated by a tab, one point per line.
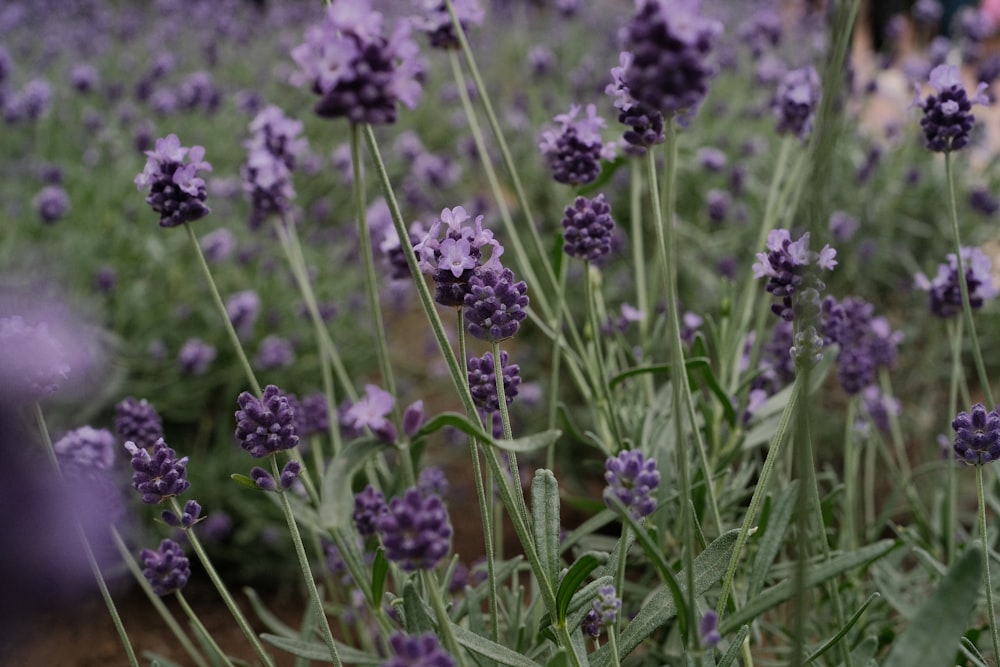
88	552
990	609
601	380
193	617
432	590
852	465
620	572
224	593
977	353
307	574
217	298
951	510
613	646
515	471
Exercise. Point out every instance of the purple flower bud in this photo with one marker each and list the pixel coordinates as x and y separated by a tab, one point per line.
159	476
138	421
495	305
587	227
369	505
432	480
632	478
417	651
289	474
195	357
796	100
575	150
265	425
607	605
166	569
51	203
415	531
947	119
189	517
263	479
977	435
483	383
707	630
413	418
176	192
274	352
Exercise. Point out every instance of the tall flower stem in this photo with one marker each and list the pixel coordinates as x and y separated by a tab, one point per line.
307	575
620	571
990	609
224	593
217	299
977	353
600	371
951	487
432	589
88	552
852	466
200	627
515	471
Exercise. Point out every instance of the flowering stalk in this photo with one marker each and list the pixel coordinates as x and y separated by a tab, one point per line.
600	372
990	609
200	627
852	464
977	353
433	591
217	298
87	550
951	486
220	586
307	574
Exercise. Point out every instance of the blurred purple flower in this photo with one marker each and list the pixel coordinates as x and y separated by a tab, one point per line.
945	292
371	411
415	531
33	363
436	21
796	100
631	478
86	448
243	308
274	352
195	357
218	244
417	651
369	505
573	151
51	203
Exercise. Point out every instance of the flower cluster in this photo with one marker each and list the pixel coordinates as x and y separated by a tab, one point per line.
312	415
190	515
671	43
86	448
866	342
358	73
167	569
587	227
495	305
603	613
160	476
437	23
176	191
483	382
272	150
645	123
417	651
369	505
265	481
946	292
415	530
977	435
138	421
574	151
32	361
790	268
52	203
947	119
632	478
265	425
795	101
453	260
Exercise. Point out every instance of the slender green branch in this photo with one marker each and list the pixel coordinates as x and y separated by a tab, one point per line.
990	609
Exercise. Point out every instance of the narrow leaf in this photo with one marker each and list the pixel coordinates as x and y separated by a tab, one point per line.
244	481
529	443
545	520
734	647
380	568
266	616
932	637
472	429
830	643
864	653
337	500
576	575
487	649
319	652
778	520
417	619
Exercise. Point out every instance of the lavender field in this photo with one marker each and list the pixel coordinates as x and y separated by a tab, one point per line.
472	333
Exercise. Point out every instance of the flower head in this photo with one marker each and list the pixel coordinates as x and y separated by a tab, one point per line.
587	227
158	476
51	203
167	569
417	651
195	356
708	630
243	308
415	530
795	101
369	505
574	151
372	412
946	292
274	352
632	478
32	361
265	425
495	305
483	382
977	435
138	421
947	119
176	192
86	448
436	21
790	267
866	342
645	123
358	73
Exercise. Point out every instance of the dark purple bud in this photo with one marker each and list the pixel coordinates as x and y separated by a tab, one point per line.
289	474
413	418
263	479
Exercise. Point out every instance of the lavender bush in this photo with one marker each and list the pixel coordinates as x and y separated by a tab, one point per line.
663	380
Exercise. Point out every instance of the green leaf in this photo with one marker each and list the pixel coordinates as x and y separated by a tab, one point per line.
472	429
270	621
695	367
779	517
576	575
659	608
380	568
558	659
417	618
529	443
545	520
830	643
319	652
864	653
337	498
933	635
734	647
245	481
816	574
487	649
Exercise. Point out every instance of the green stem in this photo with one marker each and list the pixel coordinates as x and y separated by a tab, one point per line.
307	575
217	298
990	609
196	622
613	645
554	372
951	511
224	593
620	573
852	463
600	372
515	471
977	353
432	590
88	552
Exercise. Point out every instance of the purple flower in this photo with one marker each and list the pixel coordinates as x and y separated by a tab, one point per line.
982	201
717	203
670	43
843	226
795	101
86	449
265	425
274	352
631	478
138	421
761	31
289	474
945	291
927	12
708	630
591	624
413	418
243	309
189	516
574	151
711	159
166	569
789	267
159	476
977	435
218	244
879	407
432	480
357	72
483	382
865	341
587	227
51	203
175	190
607	605
371	412
415	531
495	305
32	361
195	357
263	479
645	123
947	119
369	505
311	415
83	77
417	651
436	21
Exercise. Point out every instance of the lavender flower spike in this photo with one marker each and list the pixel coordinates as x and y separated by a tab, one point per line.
176	191
138	421
796	100
436	21
265	425
945	290
167	569
788	266
587	227
159	476
483	383
495	305
415	531
574	151
632	478
87	449
977	435
947	119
